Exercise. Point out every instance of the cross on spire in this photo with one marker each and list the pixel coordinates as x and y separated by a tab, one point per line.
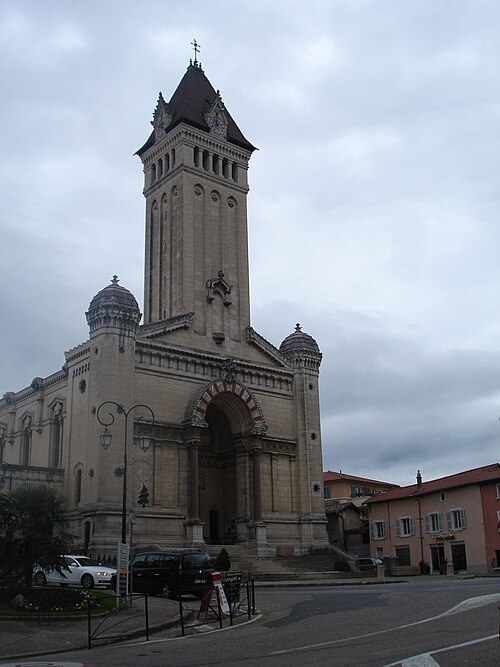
196	48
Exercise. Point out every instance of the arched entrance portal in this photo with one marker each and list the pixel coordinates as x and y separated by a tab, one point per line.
224	459
218	476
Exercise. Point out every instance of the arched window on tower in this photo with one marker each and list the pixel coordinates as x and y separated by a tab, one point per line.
196	156
25	453
206	157
160	168
225	167
153	173
234	171
56	432
87	533
78	483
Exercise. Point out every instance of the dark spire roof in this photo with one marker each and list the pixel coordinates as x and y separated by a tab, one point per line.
189	104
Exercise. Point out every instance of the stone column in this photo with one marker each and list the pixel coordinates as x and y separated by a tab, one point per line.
258	528
193	526
257	486
194	510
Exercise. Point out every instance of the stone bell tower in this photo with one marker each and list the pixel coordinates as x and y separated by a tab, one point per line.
196	259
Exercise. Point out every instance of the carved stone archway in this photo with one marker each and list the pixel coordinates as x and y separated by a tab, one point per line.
197	408
224	461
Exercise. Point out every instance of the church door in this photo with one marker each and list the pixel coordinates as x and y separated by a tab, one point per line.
217	477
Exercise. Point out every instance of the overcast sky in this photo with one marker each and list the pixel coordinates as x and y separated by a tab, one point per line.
373	210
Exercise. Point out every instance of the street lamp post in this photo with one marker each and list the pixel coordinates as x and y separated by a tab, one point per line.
106	437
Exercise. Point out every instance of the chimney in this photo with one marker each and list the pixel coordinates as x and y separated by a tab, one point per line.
419	480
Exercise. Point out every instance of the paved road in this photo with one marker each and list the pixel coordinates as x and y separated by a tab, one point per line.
419	624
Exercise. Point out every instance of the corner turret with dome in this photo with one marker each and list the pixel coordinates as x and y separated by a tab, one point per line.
235	456
113	304
298	343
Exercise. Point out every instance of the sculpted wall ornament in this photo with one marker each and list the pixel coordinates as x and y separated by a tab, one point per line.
9	397
228	370
37	383
219	286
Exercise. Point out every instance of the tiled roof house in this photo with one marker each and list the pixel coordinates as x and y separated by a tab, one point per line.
433	524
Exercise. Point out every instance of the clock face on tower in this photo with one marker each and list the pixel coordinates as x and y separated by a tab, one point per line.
217	124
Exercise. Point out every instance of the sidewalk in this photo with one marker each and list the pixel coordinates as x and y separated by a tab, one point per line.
20	638
37	636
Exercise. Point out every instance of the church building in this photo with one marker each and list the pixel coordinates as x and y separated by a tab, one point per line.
217	429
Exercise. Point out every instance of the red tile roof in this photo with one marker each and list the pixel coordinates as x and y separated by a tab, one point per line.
489	473
331	476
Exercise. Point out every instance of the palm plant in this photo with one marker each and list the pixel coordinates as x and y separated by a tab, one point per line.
33	523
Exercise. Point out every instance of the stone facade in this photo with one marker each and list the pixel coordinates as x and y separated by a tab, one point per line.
235	455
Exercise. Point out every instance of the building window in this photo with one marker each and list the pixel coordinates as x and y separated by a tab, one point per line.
498	491
378	530
78	485
405	526
25	453
443	495
456	519
497	558
434	522
403	556
56	435
328	492
498	520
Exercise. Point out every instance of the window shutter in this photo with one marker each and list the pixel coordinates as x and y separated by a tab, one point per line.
372	532
462	519
384	529
412	526
427	523
398	527
449	525
440	522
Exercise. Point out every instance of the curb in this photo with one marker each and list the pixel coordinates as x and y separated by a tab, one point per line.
132	635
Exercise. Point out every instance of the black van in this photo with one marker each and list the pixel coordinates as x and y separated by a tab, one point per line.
165	573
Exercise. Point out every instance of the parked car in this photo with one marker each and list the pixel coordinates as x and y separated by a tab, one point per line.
369	564
81	571
165	573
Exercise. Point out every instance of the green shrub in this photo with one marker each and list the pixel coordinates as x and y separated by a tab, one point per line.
51	599
223	562
342	565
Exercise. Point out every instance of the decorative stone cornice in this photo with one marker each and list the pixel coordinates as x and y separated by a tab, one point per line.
154	329
268	348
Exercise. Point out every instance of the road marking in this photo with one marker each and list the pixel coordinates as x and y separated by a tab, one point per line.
472	603
420	661
413	661
466	605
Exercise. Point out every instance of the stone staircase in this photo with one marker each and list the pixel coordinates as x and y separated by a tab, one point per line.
281	568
